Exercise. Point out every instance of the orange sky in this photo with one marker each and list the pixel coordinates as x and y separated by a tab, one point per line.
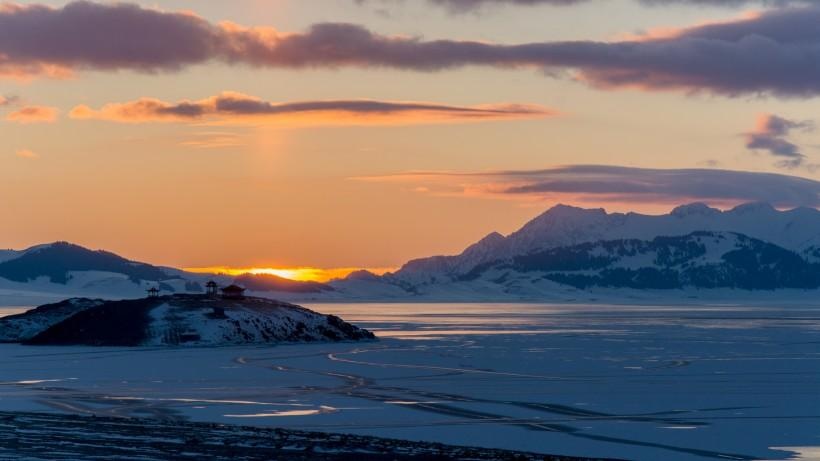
242	165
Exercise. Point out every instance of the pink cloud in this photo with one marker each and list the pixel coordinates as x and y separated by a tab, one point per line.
27	154
771	134
6	101
33	114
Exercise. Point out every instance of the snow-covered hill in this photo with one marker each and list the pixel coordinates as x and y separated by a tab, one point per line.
25	326
63	269
175	320
5	255
55	262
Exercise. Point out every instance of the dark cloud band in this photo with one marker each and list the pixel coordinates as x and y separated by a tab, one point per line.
462	6
774	52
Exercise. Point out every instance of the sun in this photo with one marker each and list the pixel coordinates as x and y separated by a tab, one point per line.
302	274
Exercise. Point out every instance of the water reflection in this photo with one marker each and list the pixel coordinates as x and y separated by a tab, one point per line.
412	320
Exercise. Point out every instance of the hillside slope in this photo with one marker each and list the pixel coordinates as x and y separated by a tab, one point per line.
698	260
177	320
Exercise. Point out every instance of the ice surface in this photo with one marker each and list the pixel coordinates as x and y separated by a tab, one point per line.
645	382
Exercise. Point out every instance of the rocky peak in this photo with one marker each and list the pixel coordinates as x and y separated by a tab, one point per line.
694	209
753	208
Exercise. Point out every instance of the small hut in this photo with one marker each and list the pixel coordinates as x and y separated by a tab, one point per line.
211	288
233	292
153	292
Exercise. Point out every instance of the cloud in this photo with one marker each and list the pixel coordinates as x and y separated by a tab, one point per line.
773	52
27	154
33	114
213	140
6	101
469	5
771	135
725	3
617	184
230	107
463	6
38	39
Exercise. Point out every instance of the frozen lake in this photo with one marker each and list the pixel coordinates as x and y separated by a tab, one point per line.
634	382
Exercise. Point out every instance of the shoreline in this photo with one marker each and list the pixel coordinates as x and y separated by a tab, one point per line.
57	436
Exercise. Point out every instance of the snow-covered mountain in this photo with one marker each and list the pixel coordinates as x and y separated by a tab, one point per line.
698	260
56	261
797	230
175	320
65	268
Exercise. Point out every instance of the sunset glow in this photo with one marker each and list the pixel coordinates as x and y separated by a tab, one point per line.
302	274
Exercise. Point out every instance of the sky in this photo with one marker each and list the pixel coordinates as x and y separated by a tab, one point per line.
364	133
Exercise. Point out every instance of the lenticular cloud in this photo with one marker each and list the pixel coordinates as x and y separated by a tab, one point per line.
620	184
231	107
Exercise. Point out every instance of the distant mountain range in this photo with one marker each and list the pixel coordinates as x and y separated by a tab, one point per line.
564	250
700	259
751	247
797	230
62	268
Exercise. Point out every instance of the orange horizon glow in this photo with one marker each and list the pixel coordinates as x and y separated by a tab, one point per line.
299	274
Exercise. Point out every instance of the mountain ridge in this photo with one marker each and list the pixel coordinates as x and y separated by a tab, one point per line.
797	229
698	260
761	229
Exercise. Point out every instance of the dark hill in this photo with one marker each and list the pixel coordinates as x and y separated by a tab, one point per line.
194	320
112	323
268	282
56	260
